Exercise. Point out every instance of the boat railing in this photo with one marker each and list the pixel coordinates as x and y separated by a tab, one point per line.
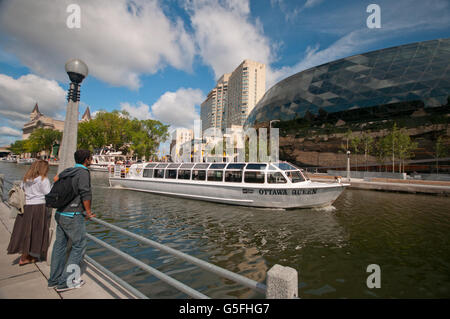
276	282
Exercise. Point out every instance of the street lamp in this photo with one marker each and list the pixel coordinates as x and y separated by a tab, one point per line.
77	70
348	165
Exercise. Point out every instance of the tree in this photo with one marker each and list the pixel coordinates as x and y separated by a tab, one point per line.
18	147
117	129
382	150
392	142
367	145
405	148
355	143
42	139
441	150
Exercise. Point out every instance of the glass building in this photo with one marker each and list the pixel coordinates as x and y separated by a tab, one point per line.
364	86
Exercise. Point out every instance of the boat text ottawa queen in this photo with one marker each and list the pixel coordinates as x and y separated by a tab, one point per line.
269	185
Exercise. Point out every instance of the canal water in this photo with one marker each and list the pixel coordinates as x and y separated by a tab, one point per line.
407	235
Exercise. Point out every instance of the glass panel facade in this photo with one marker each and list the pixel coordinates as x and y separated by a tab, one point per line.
366	80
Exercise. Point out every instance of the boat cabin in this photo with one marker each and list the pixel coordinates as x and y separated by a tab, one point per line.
255	173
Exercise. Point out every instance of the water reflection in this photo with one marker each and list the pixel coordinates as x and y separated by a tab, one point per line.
407	235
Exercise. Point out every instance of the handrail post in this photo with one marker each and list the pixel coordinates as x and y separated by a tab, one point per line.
1	187
282	283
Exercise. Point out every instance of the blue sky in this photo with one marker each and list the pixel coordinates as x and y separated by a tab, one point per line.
159	59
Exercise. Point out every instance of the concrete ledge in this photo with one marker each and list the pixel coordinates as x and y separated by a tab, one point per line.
392	185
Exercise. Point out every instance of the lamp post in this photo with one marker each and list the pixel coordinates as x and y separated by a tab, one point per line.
348	165
77	71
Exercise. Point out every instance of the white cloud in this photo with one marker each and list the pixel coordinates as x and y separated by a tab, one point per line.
175	108
118	39
225	34
18	97
141	111
8	131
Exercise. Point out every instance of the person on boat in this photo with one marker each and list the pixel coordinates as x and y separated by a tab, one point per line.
30	235
71	225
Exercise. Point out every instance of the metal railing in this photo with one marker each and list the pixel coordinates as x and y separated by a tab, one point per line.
252	284
278	289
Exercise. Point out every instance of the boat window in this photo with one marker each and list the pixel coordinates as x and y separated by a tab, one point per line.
198	175
184	174
257	166
148	173
201	166
159	173
254	177
215	176
151	165
175	165
187	165
295	176
236	166
162	165
285	166
272	168
276	178
171	173
218	166
233	176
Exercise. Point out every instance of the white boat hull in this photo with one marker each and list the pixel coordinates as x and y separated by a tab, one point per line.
304	195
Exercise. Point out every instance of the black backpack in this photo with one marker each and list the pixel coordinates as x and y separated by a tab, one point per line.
61	194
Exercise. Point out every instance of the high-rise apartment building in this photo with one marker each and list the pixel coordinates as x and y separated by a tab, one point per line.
214	107
246	86
234	96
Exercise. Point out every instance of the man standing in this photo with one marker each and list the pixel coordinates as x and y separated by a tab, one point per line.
71	225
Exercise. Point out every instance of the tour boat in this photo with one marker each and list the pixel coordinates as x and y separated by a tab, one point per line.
26	161
102	162
268	185
10	159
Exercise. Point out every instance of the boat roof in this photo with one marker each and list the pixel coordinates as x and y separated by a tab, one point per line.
270	166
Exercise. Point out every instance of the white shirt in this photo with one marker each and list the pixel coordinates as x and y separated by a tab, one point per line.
35	190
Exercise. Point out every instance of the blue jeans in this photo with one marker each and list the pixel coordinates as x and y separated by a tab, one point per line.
73	228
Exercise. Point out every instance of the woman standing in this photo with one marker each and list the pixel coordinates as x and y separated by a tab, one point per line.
30	235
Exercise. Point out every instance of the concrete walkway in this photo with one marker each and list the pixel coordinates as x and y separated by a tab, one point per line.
30	281
392	185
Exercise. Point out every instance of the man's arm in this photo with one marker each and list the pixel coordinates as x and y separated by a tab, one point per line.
87	206
84	188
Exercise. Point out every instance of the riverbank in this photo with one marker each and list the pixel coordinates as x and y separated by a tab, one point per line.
30	281
391	185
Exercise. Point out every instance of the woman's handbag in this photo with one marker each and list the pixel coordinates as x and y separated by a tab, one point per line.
16	198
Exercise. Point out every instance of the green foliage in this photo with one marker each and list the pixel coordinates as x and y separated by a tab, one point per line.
123	133
42	140
18	147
